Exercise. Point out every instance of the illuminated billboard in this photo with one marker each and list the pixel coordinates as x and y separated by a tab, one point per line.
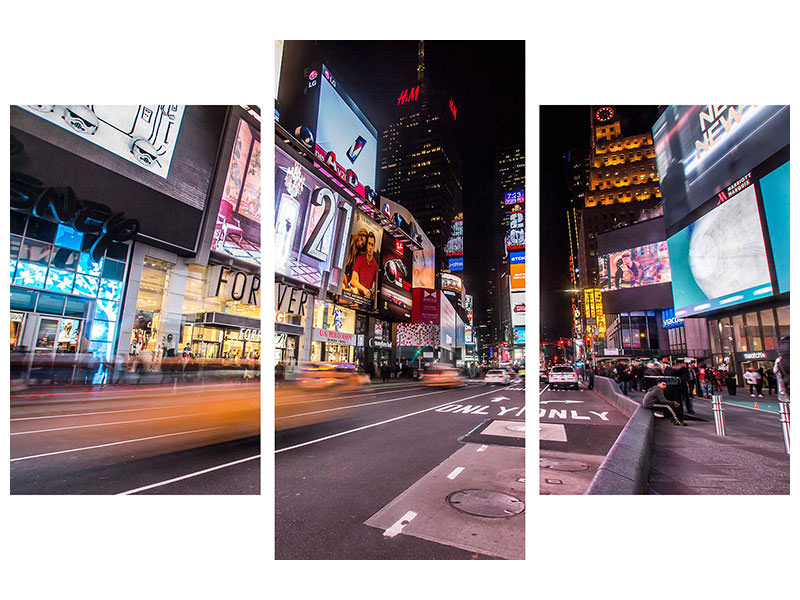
515	197
517	309
634	267
720	260
306	219
343	129
515	238
455	245
775	195
701	148
237	232
395	293
519	336
144	135
593	311
362	262
517	274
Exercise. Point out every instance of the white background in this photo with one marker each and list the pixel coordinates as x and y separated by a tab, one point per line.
675	52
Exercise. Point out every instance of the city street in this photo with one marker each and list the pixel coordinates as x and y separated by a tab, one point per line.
373	480
137	440
576	431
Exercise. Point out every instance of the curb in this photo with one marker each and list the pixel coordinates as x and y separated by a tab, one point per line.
626	468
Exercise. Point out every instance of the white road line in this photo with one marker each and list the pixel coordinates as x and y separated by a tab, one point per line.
349	396
398	527
315	412
153	437
99	412
455	472
544	389
187	476
109	423
328	437
483	448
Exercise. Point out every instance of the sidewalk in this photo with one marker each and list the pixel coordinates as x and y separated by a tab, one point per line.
749	459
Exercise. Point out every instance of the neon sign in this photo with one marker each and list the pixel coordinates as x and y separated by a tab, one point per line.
409	95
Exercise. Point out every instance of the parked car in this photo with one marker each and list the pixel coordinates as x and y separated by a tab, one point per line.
441	376
544	376
563	376
498	376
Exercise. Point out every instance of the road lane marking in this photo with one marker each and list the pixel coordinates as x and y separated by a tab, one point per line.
544	389
111	423
367	391
398	527
328	437
152	437
482	448
315	412
99	412
560	402
455	472
187	476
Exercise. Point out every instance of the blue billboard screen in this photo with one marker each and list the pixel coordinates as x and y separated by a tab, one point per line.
720	260
775	194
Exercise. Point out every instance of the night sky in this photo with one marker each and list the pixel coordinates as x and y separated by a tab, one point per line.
565	128
486	80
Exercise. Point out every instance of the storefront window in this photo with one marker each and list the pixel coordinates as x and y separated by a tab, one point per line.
726	336
714	331
754	332
150	304
740	334
783	320
768	326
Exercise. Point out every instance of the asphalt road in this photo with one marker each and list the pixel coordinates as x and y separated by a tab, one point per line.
371	480
576	431
137	440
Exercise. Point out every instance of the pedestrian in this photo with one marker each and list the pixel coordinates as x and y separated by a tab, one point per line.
590	372
655	399
686	401
384	372
730	382
760	382
706	381
637	373
771	380
694	381
752	378
623	377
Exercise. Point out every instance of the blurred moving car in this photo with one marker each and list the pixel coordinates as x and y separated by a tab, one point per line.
442	376
563	376
320	375
498	376
544	376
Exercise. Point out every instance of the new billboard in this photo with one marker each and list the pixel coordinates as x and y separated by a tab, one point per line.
455	245
144	135
775	195
308	213
517	274
514	197
343	129
634	267
701	148
720	260
237	232
362	262
515	238
395	292
518	309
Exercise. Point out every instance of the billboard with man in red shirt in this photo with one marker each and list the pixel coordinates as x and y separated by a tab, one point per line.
362	263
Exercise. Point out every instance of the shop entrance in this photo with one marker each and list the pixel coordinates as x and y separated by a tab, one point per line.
57	335
17	325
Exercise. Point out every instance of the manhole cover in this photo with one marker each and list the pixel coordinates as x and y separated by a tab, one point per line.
515	427
486	503
569	466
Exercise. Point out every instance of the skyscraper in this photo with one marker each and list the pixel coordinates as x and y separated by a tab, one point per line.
420	166
623	181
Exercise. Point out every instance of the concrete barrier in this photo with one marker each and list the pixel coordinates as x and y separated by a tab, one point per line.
627	465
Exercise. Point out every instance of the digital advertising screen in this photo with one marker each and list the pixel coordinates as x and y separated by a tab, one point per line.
515	197
515	238
702	148
345	131
517	274
395	292
455	245
306	220
634	267
518	309
237	232
775	196
144	135
519	336
720	260
362	261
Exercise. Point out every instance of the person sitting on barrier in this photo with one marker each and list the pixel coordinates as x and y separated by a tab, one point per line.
655	399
